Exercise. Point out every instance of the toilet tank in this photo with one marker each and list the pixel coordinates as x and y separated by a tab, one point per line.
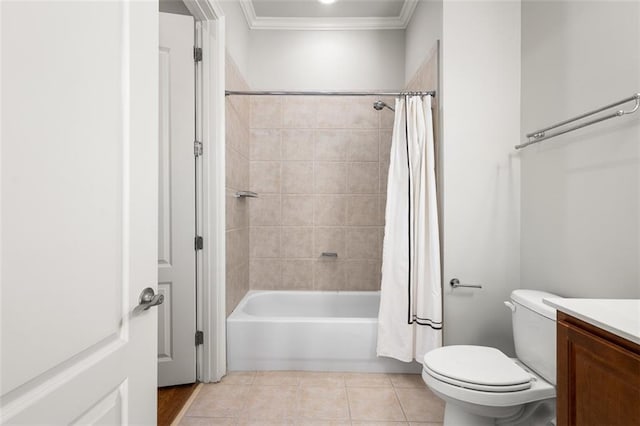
534	331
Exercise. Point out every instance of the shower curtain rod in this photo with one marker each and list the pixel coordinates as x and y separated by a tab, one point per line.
285	93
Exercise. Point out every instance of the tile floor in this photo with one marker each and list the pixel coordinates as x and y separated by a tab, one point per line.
316	398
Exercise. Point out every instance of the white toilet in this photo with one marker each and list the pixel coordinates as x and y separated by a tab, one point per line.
482	386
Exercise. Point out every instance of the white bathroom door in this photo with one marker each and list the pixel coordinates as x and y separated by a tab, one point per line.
177	204
79	211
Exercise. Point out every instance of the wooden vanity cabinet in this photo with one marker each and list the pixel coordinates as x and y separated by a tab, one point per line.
598	380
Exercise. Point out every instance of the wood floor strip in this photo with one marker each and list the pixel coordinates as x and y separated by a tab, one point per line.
171	400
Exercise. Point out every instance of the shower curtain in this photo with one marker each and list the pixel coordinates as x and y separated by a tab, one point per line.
410	317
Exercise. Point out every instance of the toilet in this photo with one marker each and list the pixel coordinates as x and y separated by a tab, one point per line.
483	386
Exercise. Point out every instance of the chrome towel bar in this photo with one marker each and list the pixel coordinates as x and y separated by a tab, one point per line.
329	254
245	194
541	134
455	283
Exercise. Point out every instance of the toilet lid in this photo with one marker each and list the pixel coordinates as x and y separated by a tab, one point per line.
476	367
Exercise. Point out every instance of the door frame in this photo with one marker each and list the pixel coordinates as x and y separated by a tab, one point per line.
211	356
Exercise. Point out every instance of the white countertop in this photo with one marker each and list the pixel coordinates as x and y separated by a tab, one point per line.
618	316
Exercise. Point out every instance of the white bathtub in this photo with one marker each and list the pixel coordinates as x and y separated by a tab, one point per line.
308	330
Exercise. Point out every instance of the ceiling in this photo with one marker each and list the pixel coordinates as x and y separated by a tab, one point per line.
313	15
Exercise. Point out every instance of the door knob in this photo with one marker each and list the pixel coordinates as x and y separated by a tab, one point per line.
148	298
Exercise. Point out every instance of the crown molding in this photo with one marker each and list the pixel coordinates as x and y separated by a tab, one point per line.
300	24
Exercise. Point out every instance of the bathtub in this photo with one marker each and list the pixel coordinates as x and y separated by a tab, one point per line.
308	330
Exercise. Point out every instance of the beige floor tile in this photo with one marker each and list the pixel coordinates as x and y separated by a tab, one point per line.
266	422
320	378
421	405
369	423
367	380
373	403
323	402
425	424
276	378
407	380
239	378
219	400
271	402
207	421
309	422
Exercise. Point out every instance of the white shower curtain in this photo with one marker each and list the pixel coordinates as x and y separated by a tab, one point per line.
410	317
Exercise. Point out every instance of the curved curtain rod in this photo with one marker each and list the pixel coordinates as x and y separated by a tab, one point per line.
286	93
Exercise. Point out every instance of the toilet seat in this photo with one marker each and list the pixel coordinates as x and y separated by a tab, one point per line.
478	368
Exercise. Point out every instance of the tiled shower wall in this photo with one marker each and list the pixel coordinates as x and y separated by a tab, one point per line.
319	165
237	179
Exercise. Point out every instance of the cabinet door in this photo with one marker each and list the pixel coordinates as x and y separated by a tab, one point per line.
598	380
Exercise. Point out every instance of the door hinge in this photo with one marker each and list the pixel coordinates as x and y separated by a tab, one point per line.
198	243
197	148
199	338
197	54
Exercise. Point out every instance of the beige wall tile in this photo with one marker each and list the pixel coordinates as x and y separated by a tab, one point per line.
298	112
330	210
384	176
265	144
363	275
329	274
363	242
331	145
265	210
297	145
265	177
331	240
297	210
297	177
387	117
385	145
331	114
237	170
364	178
265	274
237	211
297	274
363	210
363	145
361	115
266	112
329	178
265	241
297	242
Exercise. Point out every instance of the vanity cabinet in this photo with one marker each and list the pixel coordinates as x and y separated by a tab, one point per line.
598	380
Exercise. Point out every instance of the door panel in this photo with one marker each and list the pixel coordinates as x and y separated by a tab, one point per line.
176	204
78	211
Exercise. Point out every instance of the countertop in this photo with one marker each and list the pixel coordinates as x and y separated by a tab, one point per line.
618	316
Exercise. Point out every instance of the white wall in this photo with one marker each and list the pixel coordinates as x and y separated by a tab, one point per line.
481	123
581	191
237	35
326	60
424	29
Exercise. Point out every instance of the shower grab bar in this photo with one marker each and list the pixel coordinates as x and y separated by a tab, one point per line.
245	194
329	254
541	134
455	283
